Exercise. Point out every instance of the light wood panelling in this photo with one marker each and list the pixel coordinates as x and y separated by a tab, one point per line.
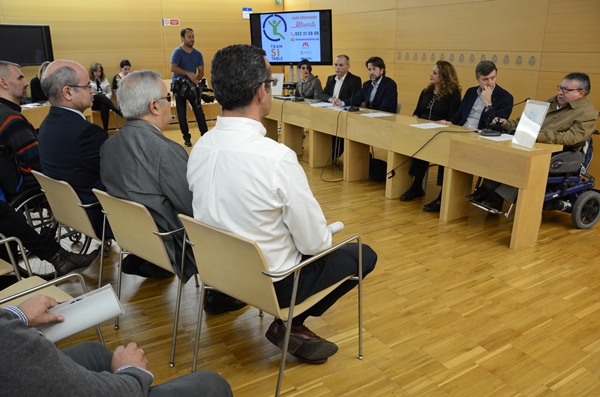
572	26
341	7
428	3
504	25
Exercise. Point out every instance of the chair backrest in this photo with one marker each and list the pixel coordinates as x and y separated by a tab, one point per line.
133	228
64	203
232	264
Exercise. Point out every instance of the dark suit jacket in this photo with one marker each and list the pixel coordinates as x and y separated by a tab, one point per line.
502	102
69	148
350	86
386	97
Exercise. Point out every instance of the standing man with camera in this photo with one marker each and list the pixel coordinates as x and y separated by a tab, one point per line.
187	65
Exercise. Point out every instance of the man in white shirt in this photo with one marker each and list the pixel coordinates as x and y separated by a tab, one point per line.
253	186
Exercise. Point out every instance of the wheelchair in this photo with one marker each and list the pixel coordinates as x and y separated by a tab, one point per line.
25	196
570	188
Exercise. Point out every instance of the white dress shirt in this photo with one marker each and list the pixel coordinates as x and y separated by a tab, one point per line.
248	184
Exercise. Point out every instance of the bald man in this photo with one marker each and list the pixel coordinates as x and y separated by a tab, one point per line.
69	144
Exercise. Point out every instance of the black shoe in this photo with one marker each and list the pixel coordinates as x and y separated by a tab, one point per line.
479	195
434	206
131	265
65	261
493	201
188	143
140	267
217	302
412	193
155	271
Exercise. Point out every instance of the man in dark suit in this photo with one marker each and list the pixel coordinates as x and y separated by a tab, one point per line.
380	92
342	85
69	144
482	103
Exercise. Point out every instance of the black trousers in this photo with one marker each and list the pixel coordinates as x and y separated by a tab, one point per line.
419	168
13	225
323	273
180	103
103	104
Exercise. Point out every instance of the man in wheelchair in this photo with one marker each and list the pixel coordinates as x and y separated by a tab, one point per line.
570	121
18	139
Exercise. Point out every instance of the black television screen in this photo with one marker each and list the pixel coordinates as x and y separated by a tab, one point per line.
25	44
290	36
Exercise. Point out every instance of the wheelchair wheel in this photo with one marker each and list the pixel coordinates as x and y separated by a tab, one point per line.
586	210
34	208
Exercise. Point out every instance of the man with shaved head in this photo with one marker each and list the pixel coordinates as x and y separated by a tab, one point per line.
16	133
69	144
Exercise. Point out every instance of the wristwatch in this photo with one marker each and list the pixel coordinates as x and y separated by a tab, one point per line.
488	107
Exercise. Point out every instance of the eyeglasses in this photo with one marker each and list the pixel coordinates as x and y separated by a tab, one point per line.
303	67
88	86
168	97
566	90
272	82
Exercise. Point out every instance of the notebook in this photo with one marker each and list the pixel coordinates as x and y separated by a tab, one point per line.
530	123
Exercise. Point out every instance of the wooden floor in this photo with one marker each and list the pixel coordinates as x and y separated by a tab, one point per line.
450	310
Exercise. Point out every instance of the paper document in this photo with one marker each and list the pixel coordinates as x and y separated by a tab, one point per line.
530	123
322	104
83	312
428	126
503	137
378	114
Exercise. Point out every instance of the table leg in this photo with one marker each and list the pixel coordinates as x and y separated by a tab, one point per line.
528	212
291	136
356	161
401	181
456	186
319	149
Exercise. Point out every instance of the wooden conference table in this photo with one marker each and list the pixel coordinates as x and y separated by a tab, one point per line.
463	153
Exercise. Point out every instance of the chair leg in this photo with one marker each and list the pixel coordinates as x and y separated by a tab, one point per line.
120	270
197	280
286	342
199	325
175	323
102	251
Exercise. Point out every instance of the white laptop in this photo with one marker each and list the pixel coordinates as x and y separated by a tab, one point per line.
530	123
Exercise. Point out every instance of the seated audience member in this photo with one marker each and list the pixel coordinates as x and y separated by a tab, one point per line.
37	94
102	93
33	366
155	174
438	101
44	246
342	85
479	106
380	92
247	184
125	66
69	144
309	86
17	133
571	119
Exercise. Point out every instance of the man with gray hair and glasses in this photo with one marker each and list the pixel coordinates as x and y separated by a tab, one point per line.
140	164
571	119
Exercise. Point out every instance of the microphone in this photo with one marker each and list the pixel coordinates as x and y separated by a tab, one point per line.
496	129
352	108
